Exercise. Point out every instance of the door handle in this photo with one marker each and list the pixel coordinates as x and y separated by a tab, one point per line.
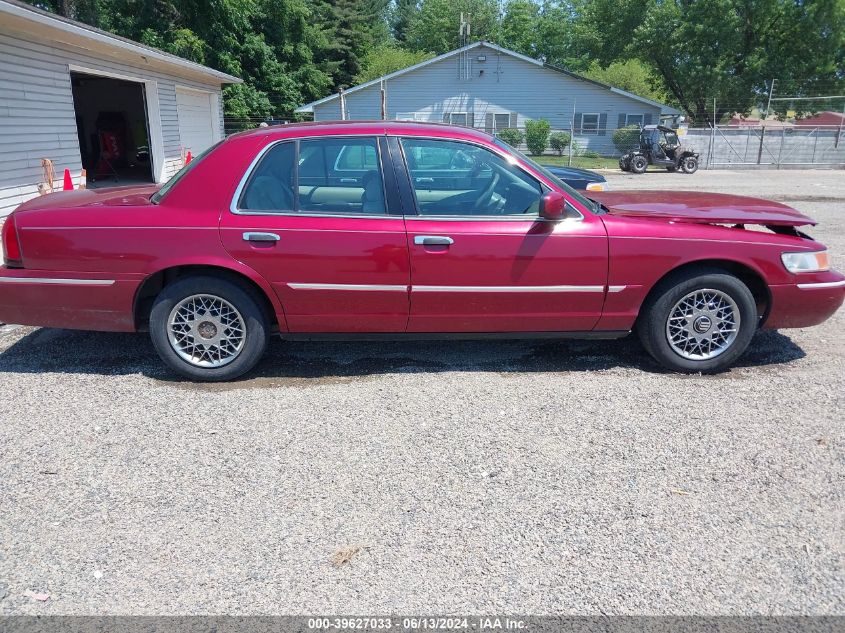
261	237
433	240
424	180
349	180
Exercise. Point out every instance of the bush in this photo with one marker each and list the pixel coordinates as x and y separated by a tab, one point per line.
559	141
511	136
537	136
626	138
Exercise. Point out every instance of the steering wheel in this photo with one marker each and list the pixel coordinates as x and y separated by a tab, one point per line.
486	196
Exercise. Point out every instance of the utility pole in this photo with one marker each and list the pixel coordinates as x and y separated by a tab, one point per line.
383	102
769	103
342	105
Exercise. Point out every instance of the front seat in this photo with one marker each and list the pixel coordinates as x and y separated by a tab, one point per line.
372	200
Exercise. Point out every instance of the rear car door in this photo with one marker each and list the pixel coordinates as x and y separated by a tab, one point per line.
319	218
482	260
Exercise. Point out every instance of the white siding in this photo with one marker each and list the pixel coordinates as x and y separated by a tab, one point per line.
37	119
508	84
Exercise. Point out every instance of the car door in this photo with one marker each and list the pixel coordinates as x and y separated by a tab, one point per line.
319	219
482	260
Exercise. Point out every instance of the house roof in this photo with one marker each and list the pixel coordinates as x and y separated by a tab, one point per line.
21	16
664	109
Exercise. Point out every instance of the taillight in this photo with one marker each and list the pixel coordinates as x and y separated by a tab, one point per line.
11	245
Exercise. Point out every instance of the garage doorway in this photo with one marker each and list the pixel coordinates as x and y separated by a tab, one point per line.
113	128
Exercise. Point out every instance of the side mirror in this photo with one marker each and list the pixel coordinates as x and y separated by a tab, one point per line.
553	206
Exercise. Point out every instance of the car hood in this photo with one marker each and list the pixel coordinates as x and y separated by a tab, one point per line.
134	195
697	206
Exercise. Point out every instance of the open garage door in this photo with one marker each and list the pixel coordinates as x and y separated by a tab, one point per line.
196	120
113	129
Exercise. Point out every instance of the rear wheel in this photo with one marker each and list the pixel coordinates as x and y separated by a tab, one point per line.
670	168
639	164
623	164
210	329
698	321
689	164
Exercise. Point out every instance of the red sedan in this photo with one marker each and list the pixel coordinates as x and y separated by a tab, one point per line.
389	229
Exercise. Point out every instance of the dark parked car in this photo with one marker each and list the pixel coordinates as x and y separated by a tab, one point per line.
579	178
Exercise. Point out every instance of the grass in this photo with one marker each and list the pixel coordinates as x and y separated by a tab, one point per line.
585	162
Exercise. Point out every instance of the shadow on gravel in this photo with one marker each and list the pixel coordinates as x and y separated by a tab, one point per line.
297	363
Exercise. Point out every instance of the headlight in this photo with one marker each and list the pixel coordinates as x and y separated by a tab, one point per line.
597	186
806	262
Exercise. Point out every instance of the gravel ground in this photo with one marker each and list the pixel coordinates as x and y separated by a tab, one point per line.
521	477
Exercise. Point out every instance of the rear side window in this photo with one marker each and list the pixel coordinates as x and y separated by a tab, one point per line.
334	176
271	185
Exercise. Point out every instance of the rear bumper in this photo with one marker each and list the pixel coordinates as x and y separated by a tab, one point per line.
81	301
806	304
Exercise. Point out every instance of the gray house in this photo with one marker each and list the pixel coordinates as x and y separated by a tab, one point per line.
82	97
489	87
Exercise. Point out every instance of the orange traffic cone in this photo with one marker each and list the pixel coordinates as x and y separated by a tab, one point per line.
68	186
188	157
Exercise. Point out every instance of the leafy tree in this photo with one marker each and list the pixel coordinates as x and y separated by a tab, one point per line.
537	136
401	15
559	141
512	136
387	59
436	27
632	75
519	27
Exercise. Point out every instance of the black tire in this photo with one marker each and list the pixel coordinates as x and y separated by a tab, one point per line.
639	164
243	299
623	164
652	325
670	168
689	164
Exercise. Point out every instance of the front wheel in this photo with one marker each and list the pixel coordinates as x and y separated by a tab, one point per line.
207	328
699	321
689	164
639	164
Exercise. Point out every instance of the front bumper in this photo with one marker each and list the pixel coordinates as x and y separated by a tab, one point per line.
806	303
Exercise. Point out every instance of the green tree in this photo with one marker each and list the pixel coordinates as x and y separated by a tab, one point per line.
386	59
436	27
632	75
626	138
512	136
518	31
401	15
722	49
537	136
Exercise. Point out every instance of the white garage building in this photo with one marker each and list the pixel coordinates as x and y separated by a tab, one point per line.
82	97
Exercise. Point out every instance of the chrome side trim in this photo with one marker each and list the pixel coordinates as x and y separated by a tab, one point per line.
57	282
365	287
507	288
823	284
616	288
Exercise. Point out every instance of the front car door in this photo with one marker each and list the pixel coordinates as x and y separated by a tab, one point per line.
482	260
319	219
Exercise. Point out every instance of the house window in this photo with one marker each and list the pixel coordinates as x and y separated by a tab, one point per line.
634	119
590	124
411	116
458	118
501	121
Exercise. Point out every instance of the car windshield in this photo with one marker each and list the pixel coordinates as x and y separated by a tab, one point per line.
671	138
175	178
569	190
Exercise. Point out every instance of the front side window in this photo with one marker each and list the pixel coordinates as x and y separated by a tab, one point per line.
451	178
590	124
336	176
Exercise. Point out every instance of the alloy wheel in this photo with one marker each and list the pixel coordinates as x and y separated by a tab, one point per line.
206	330
703	324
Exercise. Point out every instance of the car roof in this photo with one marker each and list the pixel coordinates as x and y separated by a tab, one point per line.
363	127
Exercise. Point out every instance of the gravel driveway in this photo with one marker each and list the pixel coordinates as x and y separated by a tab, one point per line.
519	477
